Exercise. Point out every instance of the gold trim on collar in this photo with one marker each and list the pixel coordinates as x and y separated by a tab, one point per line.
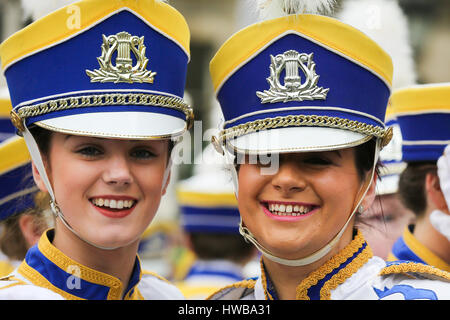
333	263
423	252
65	263
329	266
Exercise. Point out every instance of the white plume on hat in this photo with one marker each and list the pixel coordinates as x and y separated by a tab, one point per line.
385	23
270	9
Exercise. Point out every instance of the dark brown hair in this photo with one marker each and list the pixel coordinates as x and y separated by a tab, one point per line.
411	186
228	246
12	241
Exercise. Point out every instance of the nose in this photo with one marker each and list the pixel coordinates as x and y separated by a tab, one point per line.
117	172
288	179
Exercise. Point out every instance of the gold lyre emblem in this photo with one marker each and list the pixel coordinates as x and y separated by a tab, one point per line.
293	89
124	71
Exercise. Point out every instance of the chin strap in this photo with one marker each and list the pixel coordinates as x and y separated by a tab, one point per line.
246	233
38	162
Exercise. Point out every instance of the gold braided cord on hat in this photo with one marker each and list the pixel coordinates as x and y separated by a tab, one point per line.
310	121
98	100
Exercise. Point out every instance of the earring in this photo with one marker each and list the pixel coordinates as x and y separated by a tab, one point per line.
360	209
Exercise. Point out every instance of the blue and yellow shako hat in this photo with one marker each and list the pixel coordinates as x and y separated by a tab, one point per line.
17	188
6	127
301	83
207	200
423	113
114	69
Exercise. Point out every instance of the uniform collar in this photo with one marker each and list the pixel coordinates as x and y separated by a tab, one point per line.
329	276
46	266
407	247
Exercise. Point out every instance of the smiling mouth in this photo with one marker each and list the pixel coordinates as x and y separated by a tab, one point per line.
288	209
113	204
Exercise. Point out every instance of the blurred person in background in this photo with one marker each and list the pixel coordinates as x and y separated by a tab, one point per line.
210	220
423	113
385	22
23	217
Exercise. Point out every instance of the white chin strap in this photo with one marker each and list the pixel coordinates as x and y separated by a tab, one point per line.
38	162
246	233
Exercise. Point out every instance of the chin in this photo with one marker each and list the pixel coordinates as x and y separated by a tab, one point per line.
114	237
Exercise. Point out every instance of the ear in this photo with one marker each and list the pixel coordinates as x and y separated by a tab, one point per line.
30	231
370	195
38	179
167	183
434	192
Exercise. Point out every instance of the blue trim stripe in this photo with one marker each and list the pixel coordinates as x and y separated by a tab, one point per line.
425	126
351	86
66	281
199	272
422	152
6	128
314	291
421	128
60	278
62	68
220	219
401	251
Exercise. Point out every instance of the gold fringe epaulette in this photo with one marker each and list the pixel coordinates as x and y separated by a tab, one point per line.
244	284
415	270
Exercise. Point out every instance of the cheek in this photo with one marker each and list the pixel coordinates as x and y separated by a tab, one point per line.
337	191
250	182
150	180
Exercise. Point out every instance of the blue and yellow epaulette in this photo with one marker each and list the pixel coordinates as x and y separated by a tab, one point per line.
235	291
414	270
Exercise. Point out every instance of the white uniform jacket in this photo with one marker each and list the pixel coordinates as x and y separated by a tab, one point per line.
352	274
47	273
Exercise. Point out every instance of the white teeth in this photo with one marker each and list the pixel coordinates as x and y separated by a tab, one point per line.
112	203
288	210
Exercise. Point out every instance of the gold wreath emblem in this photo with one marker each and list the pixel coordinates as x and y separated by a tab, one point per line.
124	71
